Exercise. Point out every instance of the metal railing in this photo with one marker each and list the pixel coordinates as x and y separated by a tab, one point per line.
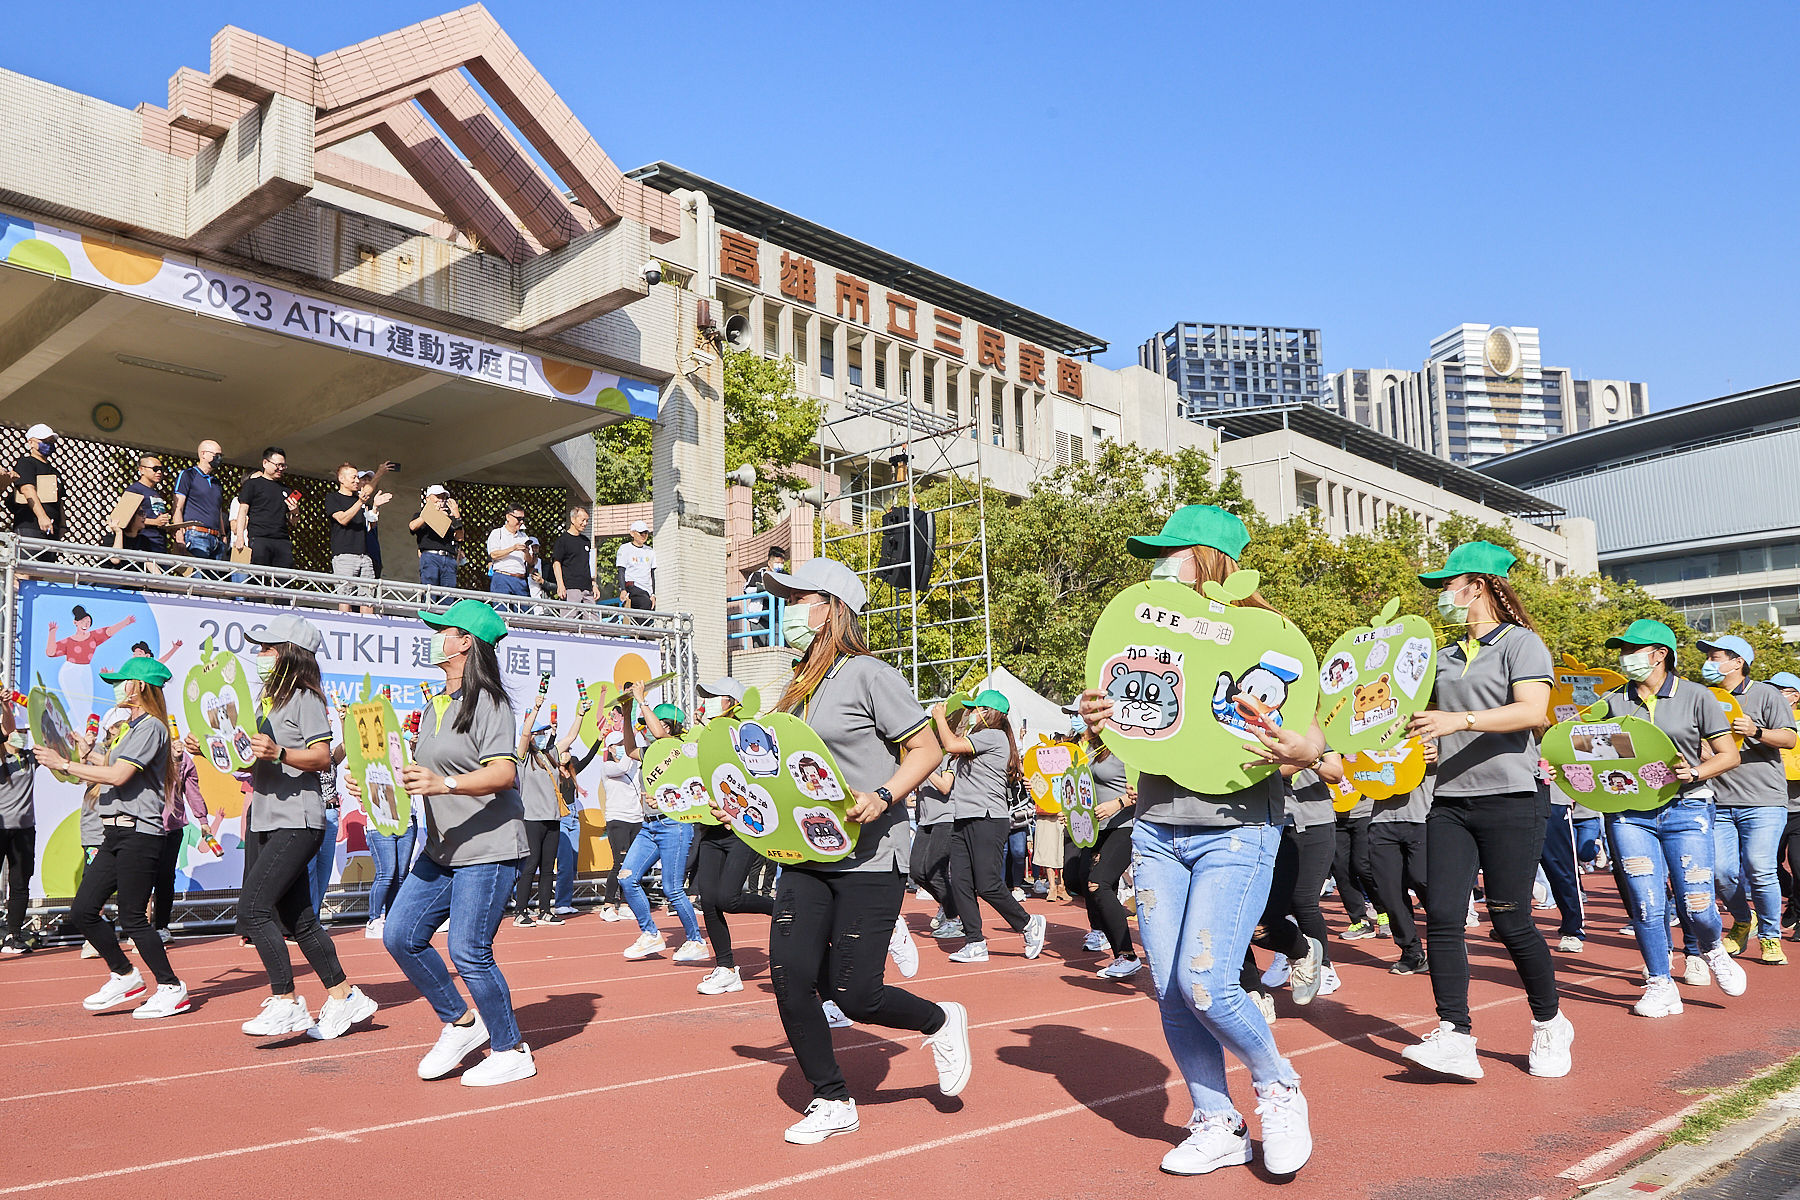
754	615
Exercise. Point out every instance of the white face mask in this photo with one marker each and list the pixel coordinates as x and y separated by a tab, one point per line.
122	693
265	666
795	630
1169	568
1637	667
440	649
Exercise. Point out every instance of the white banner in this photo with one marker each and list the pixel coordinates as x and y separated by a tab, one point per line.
69	633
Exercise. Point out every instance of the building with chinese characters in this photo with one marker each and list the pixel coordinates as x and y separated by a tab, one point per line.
1236	366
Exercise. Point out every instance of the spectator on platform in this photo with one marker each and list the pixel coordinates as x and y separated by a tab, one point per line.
510	553
37	496
775	562
347	517
372	510
266	512
152	519
437	551
200	497
571	560
637	568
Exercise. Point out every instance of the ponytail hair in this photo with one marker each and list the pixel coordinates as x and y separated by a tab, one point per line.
1509	608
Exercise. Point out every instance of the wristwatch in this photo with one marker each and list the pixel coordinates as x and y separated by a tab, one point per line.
1759	732
1470	718
887	797
450	783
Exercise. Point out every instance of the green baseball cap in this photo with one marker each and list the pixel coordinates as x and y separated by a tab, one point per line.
1644	632
474	617
141	668
989	698
668	712
1472	558
1194	525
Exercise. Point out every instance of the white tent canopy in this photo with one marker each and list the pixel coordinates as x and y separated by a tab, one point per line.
1030	712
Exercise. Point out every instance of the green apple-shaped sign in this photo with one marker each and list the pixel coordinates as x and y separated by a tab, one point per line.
1612	764
216	698
1373	679
1187	673
672	780
1077	795
779	788
374	756
50	726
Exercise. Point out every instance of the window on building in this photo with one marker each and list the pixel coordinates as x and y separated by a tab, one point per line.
1306	492
853	360
881	374
827	357
950	399
930	382
799	344
772	337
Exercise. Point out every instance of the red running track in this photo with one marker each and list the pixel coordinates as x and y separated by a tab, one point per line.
641	1079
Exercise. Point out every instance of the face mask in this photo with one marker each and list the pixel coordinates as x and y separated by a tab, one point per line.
1636	667
440	650
18	739
122	693
794	629
1709	671
47	448
265	666
1168	567
1076	724
1450	610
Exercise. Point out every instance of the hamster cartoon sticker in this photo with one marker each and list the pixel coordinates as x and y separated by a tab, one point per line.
1263	689
1372	703
1656	774
1147	701
758	748
1579	775
1339	672
814	778
822	831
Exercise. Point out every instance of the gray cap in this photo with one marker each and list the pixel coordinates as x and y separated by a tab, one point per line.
727	687
823	575
297	631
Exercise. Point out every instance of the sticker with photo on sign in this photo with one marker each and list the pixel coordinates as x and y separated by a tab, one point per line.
814	778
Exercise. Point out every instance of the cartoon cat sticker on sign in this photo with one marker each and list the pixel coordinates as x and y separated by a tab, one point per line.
1374	678
778	787
216	698
1190	674
1612	764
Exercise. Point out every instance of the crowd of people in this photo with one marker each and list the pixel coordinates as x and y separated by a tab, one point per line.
1213	877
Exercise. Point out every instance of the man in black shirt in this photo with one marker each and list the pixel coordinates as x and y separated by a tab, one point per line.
759	582
267	508
37	498
570	561
148	528
347	522
437	551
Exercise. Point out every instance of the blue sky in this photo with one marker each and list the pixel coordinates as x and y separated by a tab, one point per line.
1622	176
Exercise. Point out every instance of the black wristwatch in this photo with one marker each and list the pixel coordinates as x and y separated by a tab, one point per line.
1759	733
887	797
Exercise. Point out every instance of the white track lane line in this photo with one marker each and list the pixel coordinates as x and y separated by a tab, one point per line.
1594	1163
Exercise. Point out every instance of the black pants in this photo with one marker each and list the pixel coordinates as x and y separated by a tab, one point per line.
619	835
1397	860
125	864
271	552
1502	837
1305	856
830	941
1094	875
165	878
635	596
277	898
541	838
1787	860
978	868
1559	868
931	865
722	870
19	848
1350	867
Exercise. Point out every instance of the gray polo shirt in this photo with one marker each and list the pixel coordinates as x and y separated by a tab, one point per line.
1685	711
146	746
864	711
931	806
280	796
1488	764
463	830
1309	800
1162	801
1411	807
982	788
537	791
1759	780
16	772
1109	784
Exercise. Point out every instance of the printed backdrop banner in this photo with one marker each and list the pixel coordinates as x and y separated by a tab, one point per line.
165	279
69	633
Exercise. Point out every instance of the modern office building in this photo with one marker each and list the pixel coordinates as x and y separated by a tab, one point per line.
1236	366
1697	503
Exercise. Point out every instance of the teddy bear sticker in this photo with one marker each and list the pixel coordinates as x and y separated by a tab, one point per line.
1373	703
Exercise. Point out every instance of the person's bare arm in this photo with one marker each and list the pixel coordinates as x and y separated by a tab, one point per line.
953	743
1526	712
349	514
920	756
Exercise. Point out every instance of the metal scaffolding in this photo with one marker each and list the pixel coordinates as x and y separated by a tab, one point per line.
937	632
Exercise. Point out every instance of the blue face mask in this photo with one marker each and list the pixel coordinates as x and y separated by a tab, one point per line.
1709	671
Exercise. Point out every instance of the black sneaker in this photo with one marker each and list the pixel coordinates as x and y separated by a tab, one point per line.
523	921
13	945
549	918
1412	962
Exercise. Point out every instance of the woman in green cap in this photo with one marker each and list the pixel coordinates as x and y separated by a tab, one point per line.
1202	865
466	774
1487	814
136	782
986	774
1674	842
662	838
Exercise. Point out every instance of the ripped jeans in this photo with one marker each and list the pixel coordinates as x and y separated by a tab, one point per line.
1200	893
1649	847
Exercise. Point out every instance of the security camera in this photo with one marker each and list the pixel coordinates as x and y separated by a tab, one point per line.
652	272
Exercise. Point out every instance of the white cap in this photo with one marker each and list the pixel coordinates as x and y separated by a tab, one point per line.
640	527
437	489
824	575
40	431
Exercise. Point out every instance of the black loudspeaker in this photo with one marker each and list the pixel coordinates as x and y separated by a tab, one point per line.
908	547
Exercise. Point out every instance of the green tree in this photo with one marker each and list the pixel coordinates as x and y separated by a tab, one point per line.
622	462
768	425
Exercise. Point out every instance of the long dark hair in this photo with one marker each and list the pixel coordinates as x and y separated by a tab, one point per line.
296	671
993	718
481	677
1507	605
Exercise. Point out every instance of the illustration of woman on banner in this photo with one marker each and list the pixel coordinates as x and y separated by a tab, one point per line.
75	680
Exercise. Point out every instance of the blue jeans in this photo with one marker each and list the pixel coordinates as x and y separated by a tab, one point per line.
1200	893
391	855
472	899
568	843
437	570
1015	858
318	874
1587	840
669	841
204	544
508	585
1745	845
1674	840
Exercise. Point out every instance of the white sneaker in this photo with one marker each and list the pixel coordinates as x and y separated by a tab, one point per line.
646	945
937	918
1304	973
834	1016
610	914
974	952
116	990
1696	973
1019	895
374	929
88	951
1121	968
1329	981
1471	919
950	1049
1286	1134
1550	1042
502	1066
1661	998
169	999
823	1119
279	1017
1277	974
1265	1004
1213	1143
337	1016
453	1045
1726	972
1095	941
903	950
953	928
166	937
1540	895
692	951
1035	930
1447	1052
1570	944
719	981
